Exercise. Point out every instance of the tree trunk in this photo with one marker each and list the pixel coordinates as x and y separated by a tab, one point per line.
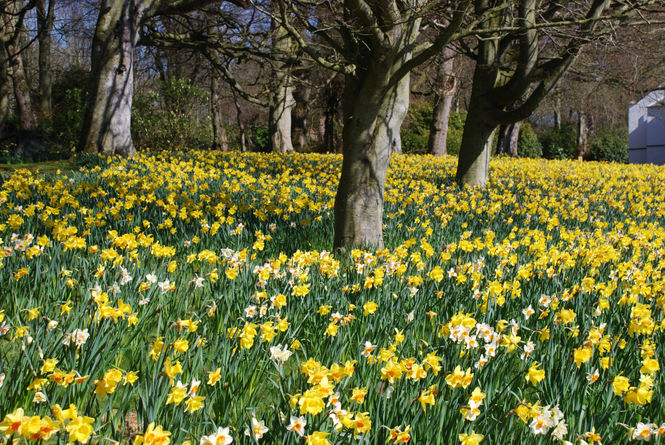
282	102
582	135
300	119
45	18
26	116
281	116
509	136
373	116
402	102
5	90
557	113
479	130
241	124
219	135
107	126
446	86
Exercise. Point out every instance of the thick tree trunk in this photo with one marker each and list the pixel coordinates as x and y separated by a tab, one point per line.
282	101
477	141
219	135
299	122
5	90
375	104
45	18
443	100
26	116
373	115
280	116
107	126
509	136
402	103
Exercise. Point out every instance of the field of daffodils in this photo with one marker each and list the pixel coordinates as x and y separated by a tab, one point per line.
195	299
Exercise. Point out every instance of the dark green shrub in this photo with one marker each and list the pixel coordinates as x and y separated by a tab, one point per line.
90	160
610	144
455	132
415	129
173	118
68	116
528	145
260	139
560	143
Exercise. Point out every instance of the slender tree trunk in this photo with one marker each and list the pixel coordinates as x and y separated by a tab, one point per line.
443	99
241	124
45	19
300	119
219	135
557	113
582	135
508	139
107	126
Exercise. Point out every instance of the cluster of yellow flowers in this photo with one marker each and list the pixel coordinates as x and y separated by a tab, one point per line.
40	429
130	283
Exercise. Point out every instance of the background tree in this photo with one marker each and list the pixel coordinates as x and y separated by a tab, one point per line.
108	118
45	22
521	52
13	45
445	89
374	45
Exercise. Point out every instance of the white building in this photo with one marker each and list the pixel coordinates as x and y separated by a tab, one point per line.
646	129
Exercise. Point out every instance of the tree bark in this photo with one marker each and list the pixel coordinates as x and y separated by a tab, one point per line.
402	102
219	135
282	101
582	135
509	136
500	96
5	89
446	86
107	125
477	143
26	116
557	113
374	108
299	122
45	19
241	124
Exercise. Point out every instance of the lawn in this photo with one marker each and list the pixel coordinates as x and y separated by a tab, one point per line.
195	298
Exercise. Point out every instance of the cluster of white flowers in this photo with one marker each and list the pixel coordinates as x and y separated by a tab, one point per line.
221	437
280	353
549	418
297	425
257	429
77	337
644	432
